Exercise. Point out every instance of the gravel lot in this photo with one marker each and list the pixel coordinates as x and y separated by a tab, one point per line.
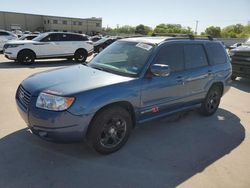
190	151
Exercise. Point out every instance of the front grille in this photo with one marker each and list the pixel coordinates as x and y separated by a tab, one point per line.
242	56
23	96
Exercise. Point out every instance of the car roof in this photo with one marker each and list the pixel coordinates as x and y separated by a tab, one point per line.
64	33
160	39
149	40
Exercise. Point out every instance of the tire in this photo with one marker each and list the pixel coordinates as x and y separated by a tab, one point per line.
26	57
233	77
212	101
80	55
109	130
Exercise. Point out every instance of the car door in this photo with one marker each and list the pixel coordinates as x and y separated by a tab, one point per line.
49	46
198	71
164	94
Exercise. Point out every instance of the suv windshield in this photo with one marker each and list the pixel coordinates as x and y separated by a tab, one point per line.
40	37
123	58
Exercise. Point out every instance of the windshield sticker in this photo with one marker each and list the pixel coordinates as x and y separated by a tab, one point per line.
144	46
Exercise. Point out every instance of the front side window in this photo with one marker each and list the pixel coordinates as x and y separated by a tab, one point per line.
195	56
123	58
51	38
171	55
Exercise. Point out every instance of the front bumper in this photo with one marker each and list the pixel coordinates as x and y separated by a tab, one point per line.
9	55
241	70
54	126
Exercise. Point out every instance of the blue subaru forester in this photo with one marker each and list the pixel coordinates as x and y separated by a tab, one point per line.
132	81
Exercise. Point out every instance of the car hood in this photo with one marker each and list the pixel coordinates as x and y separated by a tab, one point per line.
21	42
71	80
242	48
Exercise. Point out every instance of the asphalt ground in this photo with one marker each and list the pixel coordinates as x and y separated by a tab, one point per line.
186	150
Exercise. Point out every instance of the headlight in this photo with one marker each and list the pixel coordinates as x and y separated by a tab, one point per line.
11	45
232	53
53	102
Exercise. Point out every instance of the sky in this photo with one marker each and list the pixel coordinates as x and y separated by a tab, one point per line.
134	12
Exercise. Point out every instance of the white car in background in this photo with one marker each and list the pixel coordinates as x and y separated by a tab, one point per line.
49	45
6	36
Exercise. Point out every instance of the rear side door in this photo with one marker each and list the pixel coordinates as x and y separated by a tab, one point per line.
163	94
198	71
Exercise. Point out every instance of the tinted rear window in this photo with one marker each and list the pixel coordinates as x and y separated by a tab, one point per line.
195	56
73	37
171	55
216	53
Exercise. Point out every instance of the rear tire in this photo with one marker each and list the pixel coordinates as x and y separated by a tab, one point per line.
109	130
80	55
212	101
26	57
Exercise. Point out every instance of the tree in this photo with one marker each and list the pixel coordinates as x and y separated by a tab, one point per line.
142	29
245	32
172	28
232	31
213	31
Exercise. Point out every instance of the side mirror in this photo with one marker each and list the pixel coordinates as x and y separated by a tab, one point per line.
160	70
239	44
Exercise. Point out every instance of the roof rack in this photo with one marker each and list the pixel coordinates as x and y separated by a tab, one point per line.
183	36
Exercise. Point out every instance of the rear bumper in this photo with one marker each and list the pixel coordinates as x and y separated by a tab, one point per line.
54	126
90	52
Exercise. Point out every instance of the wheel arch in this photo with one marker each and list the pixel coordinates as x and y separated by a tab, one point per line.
123	104
27	50
220	85
78	49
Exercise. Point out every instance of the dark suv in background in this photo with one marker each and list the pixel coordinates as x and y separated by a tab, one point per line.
132	81
240	57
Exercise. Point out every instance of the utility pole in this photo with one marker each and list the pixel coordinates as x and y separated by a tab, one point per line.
196	27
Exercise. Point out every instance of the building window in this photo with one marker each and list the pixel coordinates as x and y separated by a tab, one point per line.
79	23
44	21
98	24
74	22
65	31
55	22
48	21
80	32
64	22
55	30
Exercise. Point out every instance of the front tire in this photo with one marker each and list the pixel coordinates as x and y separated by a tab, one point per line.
110	130
212	101
26	57
80	55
